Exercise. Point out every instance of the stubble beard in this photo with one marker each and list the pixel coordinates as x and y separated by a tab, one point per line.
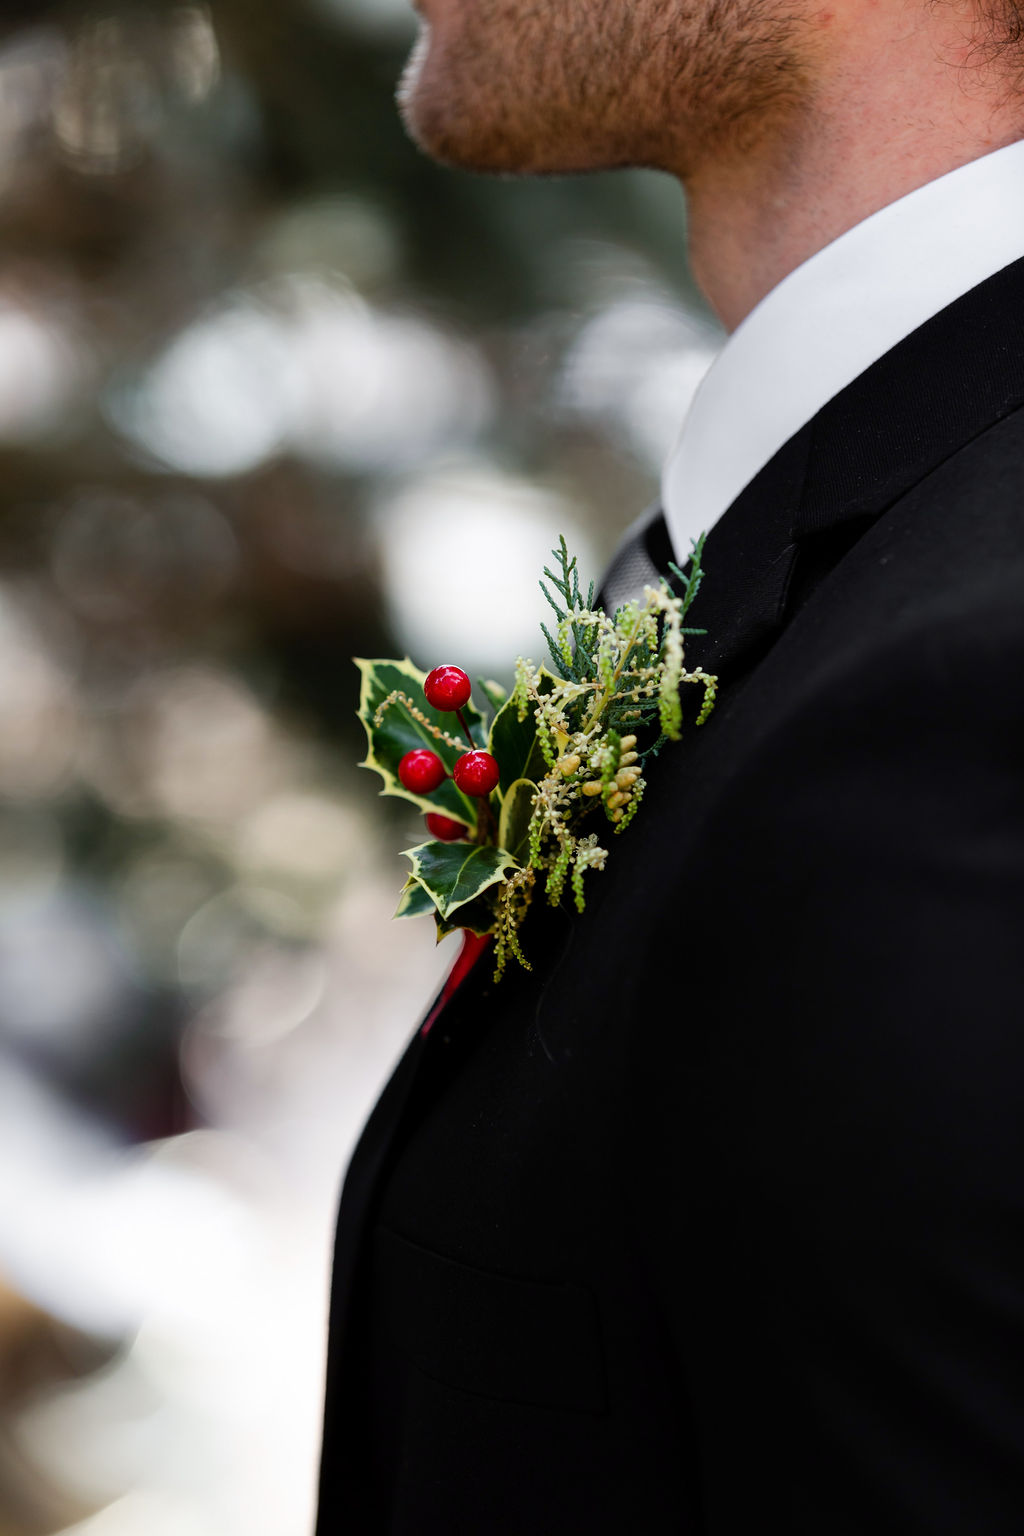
524	87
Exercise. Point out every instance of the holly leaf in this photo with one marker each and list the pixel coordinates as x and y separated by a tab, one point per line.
516	814
455	873
399	732
493	692
415	900
475	915
513	742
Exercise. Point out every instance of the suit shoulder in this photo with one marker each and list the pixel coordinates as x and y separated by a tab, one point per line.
935	589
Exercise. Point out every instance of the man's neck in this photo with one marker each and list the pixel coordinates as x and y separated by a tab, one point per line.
869	136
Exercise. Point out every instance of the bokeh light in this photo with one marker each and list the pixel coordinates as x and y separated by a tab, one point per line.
311	367
634	368
461	551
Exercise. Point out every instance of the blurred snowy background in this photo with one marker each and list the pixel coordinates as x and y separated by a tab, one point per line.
274	391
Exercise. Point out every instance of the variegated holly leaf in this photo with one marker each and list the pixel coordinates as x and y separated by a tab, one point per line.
516	812
399	732
415	900
493	692
513	742
476	915
457	873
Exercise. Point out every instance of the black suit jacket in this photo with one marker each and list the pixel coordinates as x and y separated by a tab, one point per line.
717	1217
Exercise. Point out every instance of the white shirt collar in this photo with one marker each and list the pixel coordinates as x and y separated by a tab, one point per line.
829	320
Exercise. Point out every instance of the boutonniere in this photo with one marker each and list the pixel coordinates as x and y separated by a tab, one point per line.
521	795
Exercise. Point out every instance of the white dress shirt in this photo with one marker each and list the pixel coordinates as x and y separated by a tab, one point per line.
829	320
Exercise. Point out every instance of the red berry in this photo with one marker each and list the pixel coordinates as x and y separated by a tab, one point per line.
421	770
476	773
447	688
444	827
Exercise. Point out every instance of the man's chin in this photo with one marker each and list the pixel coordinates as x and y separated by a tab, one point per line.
417	100
453	125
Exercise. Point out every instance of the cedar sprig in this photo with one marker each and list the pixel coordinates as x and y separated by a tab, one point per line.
690	580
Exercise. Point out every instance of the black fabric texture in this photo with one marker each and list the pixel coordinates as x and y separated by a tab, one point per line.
716	1217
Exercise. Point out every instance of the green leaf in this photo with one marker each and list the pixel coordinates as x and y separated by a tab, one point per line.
475	915
454	873
493	692
516	814
398	733
514	744
415	901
